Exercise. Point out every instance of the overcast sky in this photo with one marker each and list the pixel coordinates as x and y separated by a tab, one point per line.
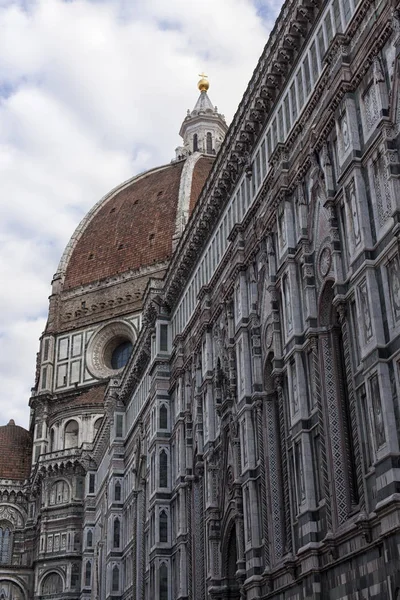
92	92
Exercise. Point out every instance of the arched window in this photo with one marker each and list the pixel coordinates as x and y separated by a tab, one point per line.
59	493
52	584
5	543
77	542
117	492
71	434
117	533
163	417
89	539
209	143
10	591
52	440
115	579
163	524
88	574
195	143
75	577
163	469
163	582
96	426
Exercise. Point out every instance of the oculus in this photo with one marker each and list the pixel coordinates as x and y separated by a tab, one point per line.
109	349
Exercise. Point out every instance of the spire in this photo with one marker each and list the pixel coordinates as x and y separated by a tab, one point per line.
204	128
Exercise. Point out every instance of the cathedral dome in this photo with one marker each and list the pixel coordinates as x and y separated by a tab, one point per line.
15	452
134	225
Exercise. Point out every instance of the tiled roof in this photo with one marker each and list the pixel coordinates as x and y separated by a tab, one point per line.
134	227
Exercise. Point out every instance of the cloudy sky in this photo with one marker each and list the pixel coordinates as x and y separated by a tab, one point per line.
92	92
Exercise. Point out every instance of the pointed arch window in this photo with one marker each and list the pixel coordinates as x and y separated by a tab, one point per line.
89	539
163	582
71	433
115	579
75	577
5	543
59	493
195	143
52	584
117	533
163	526
88	574
209	143
77	542
52	440
117	492
96	426
163	469
163	417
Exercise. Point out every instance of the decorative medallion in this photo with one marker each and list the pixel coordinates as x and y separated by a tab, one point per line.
325	261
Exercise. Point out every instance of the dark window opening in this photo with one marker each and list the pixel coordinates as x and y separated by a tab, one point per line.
5	545
164	338
209	143
163	582
88	574
121	355
118	426
163	469
89	539
91	483
75	577
163	526
115	579
163	417
117	492
117	533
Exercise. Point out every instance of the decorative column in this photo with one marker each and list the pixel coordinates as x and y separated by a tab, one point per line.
283	433
357	495
198	538
142	514
134	540
239	523
337	457
264	506
316	390
273	468
189	536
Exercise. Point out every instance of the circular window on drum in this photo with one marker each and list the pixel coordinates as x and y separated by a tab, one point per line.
109	349
121	354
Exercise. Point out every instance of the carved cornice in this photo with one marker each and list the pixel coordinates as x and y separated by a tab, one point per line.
264	89
269	78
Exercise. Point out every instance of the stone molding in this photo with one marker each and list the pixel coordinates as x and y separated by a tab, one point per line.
103	342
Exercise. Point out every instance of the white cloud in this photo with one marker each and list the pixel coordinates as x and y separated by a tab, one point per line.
92	92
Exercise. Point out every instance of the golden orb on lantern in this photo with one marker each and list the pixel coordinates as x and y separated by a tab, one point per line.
203	84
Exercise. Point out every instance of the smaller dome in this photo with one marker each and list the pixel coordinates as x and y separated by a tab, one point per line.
15	452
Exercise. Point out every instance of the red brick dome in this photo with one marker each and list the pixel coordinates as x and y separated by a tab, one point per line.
15	452
134	225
